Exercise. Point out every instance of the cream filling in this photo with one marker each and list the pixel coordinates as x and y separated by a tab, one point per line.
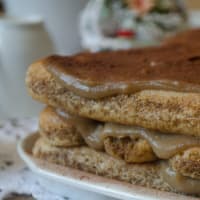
164	145
90	89
179	182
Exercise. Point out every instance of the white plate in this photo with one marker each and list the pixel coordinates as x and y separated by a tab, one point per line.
64	177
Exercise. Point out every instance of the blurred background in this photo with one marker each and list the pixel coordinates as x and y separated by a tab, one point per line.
32	29
193	4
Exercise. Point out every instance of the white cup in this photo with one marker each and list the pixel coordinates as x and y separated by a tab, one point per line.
22	41
60	16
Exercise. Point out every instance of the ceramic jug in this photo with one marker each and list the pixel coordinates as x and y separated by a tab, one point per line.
22	41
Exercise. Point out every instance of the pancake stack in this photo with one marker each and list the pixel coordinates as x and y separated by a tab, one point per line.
129	115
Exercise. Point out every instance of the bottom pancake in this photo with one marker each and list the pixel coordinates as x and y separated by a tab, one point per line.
156	175
90	160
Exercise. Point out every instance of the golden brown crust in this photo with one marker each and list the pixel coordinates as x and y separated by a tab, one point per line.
138	151
99	163
172	112
57	131
187	163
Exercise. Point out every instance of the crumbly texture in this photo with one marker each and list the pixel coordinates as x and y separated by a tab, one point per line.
165	111
187	163
132	151
57	131
100	163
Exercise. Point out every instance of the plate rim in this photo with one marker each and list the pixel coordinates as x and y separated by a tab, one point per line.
98	187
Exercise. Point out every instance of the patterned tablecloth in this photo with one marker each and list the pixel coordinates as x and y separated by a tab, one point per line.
15	177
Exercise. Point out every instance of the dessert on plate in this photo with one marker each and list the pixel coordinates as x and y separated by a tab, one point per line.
130	115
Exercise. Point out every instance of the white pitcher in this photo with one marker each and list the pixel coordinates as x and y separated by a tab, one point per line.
22	41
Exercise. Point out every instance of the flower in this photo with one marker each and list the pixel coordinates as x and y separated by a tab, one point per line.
141	6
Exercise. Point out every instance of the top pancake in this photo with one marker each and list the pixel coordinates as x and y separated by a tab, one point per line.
180	64
170	67
185	38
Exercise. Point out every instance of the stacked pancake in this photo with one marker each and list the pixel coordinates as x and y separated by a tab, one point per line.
129	115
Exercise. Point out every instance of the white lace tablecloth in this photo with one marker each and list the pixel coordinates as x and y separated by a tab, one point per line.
15	177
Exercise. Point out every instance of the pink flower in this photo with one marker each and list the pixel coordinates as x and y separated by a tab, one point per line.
141	6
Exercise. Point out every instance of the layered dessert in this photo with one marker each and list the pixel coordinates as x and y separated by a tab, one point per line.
130	115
